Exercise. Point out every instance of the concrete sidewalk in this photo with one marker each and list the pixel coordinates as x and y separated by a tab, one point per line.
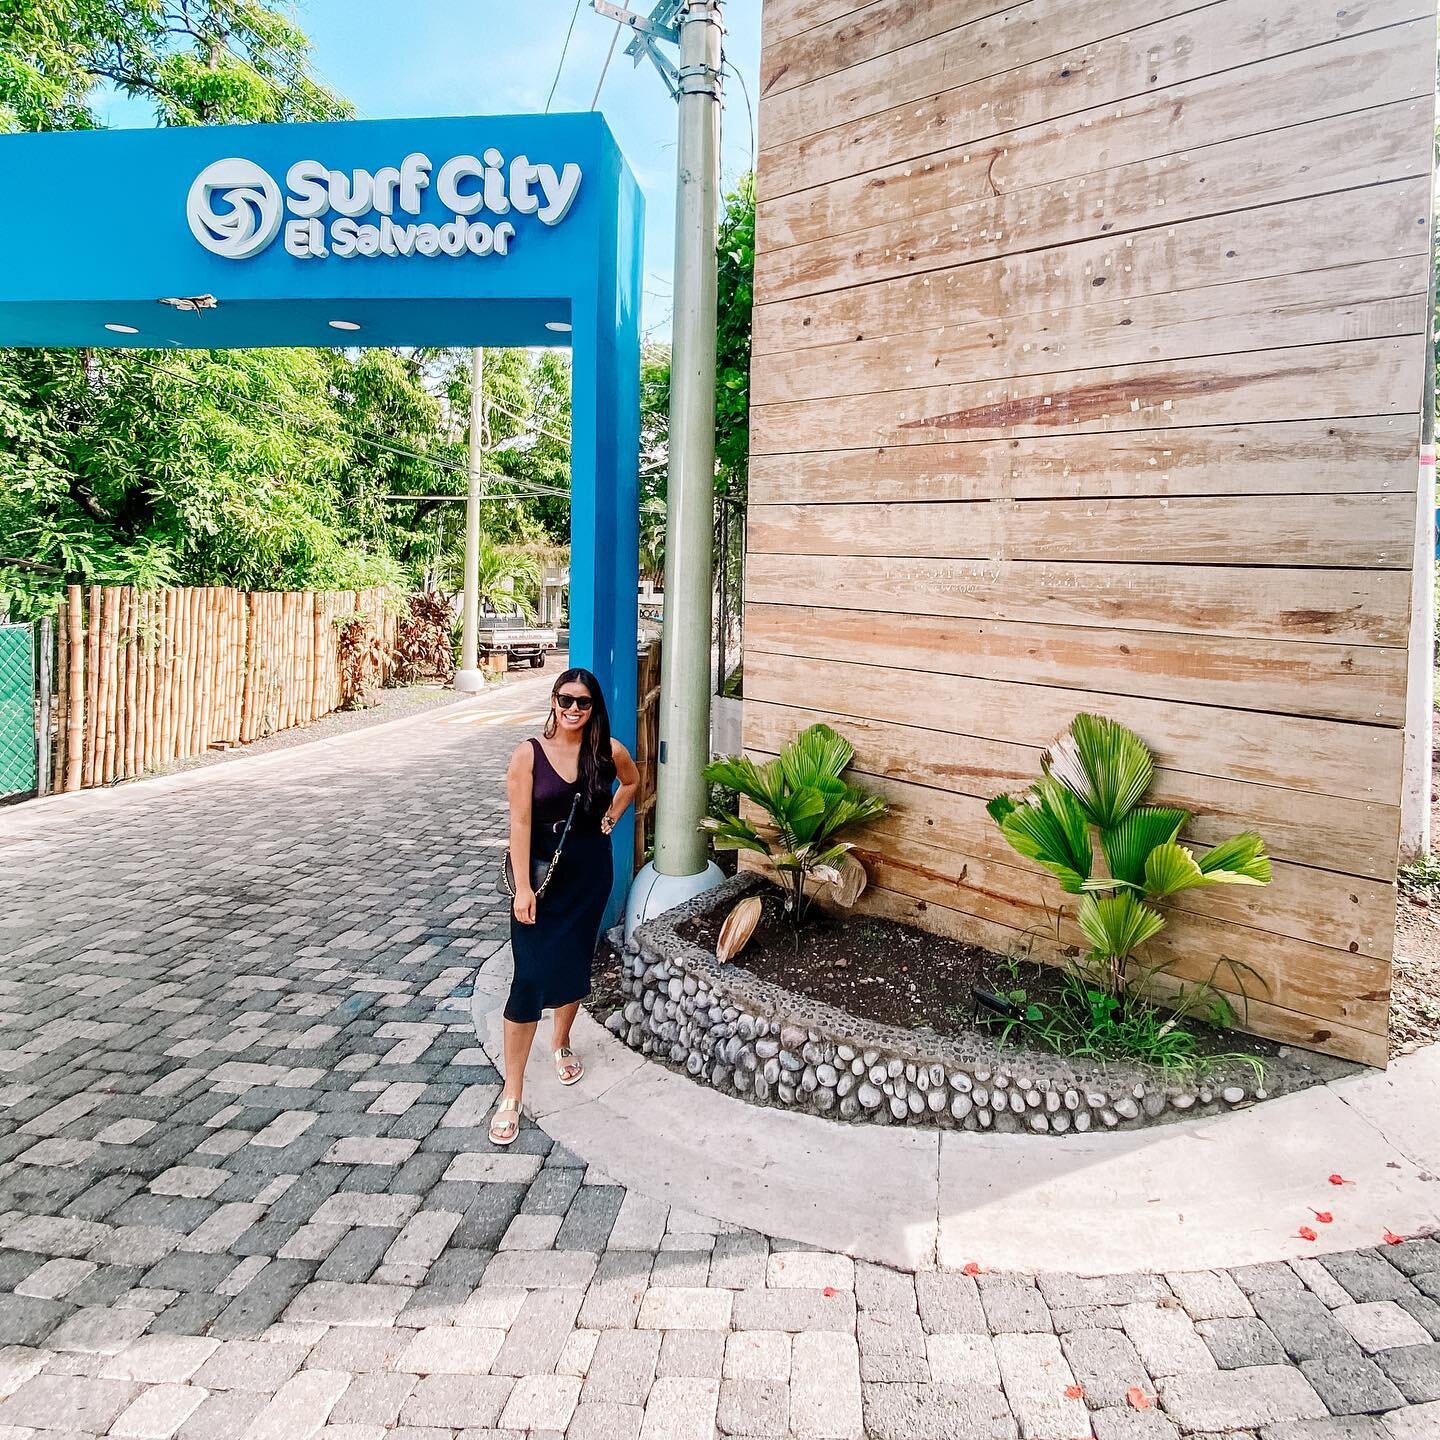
1225	1191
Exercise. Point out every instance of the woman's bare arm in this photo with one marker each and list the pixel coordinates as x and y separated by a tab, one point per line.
629	777
519	789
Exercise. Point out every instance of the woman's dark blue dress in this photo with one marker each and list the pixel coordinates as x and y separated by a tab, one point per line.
553	956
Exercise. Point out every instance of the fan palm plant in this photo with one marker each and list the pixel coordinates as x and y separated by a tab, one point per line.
807	805
507	576
1093	780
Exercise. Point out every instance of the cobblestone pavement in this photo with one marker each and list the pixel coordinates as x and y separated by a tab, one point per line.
246	1190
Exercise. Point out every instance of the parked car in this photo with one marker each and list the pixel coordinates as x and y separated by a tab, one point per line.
510	635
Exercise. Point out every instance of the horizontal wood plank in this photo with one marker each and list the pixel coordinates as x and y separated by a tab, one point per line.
1359	607
1362	683
1287	1026
1350	152
1161	56
1370	301
1314	233
1346	531
1308	382
783	18
967	53
1358	72
1354	456
860	35
1321	757
1349	837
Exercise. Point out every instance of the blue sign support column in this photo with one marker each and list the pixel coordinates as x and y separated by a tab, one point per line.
604	514
482	230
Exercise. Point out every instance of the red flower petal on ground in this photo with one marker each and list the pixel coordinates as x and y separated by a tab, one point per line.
1306	1233
1323	1216
1137	1399
1391	1238
830	1292
1074	1392
971	1269
1340	1180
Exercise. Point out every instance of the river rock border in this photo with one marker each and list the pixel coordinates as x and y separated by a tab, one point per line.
727	1028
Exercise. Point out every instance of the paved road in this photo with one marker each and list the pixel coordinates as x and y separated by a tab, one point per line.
246	1189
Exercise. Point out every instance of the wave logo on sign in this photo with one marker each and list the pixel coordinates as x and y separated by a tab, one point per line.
234	208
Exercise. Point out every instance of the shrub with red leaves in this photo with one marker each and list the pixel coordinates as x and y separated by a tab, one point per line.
362	657
422	642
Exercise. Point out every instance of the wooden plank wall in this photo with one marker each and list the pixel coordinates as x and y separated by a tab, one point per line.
1088	364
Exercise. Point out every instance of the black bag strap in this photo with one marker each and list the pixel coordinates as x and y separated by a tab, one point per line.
560	846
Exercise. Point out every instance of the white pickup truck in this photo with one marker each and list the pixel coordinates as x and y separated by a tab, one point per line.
510	635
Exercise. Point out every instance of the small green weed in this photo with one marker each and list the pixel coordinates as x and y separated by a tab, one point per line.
1087	1021
1420	878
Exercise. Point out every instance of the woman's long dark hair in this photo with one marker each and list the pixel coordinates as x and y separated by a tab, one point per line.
597	766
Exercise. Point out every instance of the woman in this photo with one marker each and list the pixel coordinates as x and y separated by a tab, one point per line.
571	769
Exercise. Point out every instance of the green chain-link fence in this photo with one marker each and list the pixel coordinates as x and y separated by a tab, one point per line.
17	710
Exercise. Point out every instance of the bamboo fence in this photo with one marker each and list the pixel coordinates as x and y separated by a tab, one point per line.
147	677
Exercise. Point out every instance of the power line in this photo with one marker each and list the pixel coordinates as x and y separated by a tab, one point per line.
295	77
302	65
564	51
527	420
447	499
605	69
524	487
749	109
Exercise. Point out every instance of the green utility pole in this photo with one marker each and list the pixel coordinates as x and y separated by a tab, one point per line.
680	868
680	801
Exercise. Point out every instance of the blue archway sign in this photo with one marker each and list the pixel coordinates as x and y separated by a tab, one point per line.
484	230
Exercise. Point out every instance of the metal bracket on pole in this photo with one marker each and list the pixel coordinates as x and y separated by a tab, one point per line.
660	24
699	80
654	25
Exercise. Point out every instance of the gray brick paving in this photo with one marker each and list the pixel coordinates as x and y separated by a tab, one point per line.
1350	1384
245	1186
1237	1344
1106	1364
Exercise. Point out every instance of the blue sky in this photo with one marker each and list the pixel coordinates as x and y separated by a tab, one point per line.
469	57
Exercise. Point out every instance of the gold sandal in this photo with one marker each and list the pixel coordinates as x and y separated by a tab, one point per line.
503	1130
568	1068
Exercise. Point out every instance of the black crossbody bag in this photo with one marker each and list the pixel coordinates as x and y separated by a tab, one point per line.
541	871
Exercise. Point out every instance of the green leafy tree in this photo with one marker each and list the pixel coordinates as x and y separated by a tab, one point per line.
199	62
529	423
654	457
192	467
525	440
393	428
736	298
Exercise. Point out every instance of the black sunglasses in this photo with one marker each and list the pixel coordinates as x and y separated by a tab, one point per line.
580	702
